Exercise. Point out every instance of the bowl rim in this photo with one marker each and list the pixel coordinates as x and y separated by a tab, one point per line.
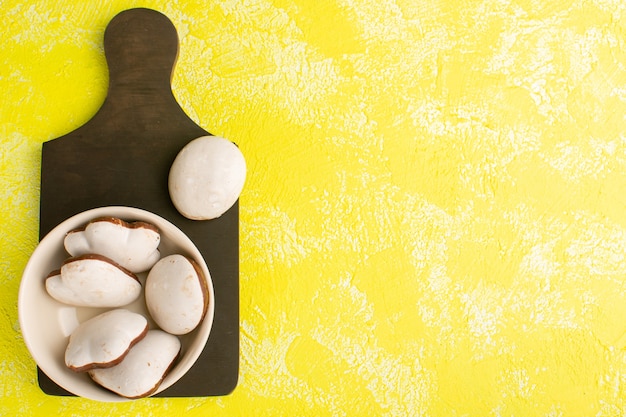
29	278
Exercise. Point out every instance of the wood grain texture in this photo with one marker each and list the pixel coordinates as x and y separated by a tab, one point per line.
122	157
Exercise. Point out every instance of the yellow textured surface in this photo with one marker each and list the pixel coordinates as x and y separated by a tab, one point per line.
433	222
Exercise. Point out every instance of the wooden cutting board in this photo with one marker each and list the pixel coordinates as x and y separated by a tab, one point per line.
122	156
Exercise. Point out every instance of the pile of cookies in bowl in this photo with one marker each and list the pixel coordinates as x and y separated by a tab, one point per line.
125	307
115	348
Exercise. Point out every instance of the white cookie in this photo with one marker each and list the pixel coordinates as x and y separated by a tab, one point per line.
176	294
93	281
104	340
207	177
133	245
144	367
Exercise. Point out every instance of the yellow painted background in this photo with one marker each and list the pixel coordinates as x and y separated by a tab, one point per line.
434	218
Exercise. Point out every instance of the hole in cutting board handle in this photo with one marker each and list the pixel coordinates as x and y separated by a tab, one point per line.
141	48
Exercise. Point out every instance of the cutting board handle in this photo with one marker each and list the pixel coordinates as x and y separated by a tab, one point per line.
141	48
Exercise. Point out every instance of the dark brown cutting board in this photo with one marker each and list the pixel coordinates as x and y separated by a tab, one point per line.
122	156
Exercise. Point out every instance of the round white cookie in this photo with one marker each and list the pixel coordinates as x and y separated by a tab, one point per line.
207	177
176	294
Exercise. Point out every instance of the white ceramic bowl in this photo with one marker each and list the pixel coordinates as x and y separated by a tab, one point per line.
46	324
